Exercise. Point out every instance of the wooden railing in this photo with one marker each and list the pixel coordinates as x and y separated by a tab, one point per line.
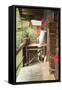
18	50
22	45
19	65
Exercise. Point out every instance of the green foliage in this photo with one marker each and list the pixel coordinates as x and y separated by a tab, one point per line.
19	58
23	30
18	19
18	38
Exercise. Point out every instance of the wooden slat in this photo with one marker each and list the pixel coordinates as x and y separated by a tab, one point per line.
37	45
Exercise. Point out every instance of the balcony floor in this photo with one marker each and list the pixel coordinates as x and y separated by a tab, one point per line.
35	72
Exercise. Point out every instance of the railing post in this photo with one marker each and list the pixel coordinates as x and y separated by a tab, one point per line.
24	54
48	45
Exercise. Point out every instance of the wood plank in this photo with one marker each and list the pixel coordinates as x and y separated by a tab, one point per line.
37	45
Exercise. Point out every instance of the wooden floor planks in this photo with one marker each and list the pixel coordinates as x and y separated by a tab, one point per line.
35	72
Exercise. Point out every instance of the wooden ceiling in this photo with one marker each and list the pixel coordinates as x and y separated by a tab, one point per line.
30	13
35	13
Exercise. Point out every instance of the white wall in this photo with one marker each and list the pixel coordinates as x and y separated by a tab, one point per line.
4	44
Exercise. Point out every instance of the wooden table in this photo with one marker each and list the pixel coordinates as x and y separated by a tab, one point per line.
34	47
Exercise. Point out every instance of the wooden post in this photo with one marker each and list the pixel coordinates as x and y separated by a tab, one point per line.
48	45
24	54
